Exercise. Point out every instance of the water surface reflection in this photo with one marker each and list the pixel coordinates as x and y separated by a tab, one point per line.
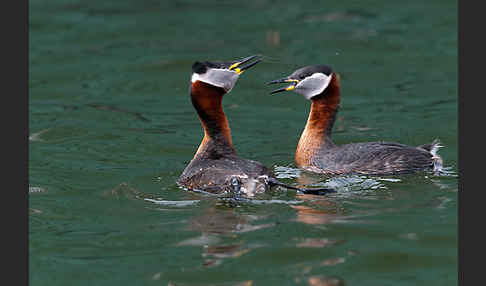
220	228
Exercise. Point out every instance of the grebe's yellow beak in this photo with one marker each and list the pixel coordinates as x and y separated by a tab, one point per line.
284	80
238	66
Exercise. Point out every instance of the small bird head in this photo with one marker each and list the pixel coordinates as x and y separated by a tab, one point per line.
222	74
308	81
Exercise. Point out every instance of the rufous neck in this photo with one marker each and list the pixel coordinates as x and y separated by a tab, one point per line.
323	110
207	100
317	132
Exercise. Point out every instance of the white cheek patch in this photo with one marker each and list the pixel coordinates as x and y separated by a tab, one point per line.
313	85
217	77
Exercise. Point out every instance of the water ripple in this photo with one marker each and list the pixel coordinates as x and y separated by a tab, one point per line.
173	203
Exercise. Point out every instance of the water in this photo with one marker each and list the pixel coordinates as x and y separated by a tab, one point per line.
111	128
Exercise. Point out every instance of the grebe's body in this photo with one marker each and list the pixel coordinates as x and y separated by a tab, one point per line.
215	167
226	174
316	151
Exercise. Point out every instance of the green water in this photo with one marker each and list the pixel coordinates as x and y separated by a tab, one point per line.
112	127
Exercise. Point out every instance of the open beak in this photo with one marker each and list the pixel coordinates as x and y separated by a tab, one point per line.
239	67
293	82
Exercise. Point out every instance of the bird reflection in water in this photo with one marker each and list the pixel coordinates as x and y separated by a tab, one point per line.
309	215
325	281
220	227
319	210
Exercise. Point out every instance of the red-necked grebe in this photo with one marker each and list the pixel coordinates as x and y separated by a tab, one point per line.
317	153
215	167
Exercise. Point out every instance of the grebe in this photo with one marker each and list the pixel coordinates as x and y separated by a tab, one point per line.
216	168
317	153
